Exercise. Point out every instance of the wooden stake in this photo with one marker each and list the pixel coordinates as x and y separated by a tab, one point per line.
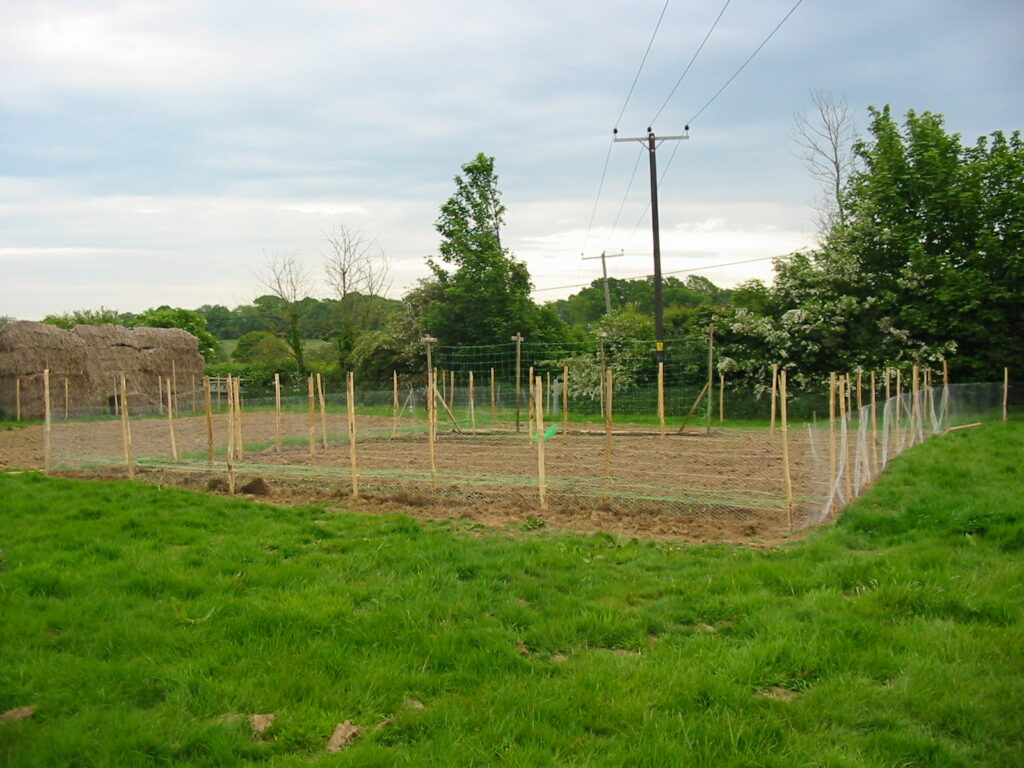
17	398
945	391
323	410
311	420
126	430
833	450
160	391
721	397
66	398
394	404
277	413
170	423
785	448
531	396
432	421
208	407
844	387
860	398
915	406
661	397
174	385
494	401
472	404
541	477
232	439
547	394
874	427
47	424
565	400
239	439
775	390
607	429
1006	392
351	404
711	371
117	404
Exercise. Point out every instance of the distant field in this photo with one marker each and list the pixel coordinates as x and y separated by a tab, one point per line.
146	626
228	346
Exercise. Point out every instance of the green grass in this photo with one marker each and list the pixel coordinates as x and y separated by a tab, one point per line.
134	618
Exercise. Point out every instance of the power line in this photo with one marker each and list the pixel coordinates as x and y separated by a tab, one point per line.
744	64
690	64
622	111
673	272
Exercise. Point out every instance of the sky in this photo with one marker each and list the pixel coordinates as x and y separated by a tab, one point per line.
159	153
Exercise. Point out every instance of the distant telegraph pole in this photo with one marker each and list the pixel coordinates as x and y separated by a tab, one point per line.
604	271
652	143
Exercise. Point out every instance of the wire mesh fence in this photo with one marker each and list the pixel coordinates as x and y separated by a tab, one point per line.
470	436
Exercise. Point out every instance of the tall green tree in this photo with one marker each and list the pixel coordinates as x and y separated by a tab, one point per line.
188	320
486	290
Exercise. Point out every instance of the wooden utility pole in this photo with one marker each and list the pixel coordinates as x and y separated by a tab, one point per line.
604	274
652	143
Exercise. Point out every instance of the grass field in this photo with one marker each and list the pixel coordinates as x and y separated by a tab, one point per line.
146	625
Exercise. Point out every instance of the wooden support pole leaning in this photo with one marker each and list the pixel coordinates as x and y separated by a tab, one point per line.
208	408
788	478
694	407
661	398
277	413
311	419
350	403
47	424
174	386
170	423
126	429
323	410
541	475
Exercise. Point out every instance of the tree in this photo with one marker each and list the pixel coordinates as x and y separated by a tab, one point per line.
356	268
486	291
826	139
188	320
287	283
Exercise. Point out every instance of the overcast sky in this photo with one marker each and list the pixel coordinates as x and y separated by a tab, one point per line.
158	152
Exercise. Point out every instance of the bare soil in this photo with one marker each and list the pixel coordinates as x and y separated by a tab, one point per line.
726	486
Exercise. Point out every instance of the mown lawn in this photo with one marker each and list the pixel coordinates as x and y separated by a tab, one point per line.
146	625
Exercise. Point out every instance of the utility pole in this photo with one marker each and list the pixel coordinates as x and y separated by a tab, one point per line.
652	143
604	272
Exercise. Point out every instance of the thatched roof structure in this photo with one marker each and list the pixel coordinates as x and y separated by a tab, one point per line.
91	359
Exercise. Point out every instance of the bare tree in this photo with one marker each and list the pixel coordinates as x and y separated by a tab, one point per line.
357	269
826	139
288	282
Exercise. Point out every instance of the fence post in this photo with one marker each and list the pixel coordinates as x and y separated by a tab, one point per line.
472	404
565	400
277	413
832	447
518	339
721	397
311	420
661	397
208	407
17	398
66	398
711	372
541	477
785	448
239	439
351	405
431	421
1006	391
170	422
126	430
607	388
494	401
232	438
323	410
775	387
47	422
